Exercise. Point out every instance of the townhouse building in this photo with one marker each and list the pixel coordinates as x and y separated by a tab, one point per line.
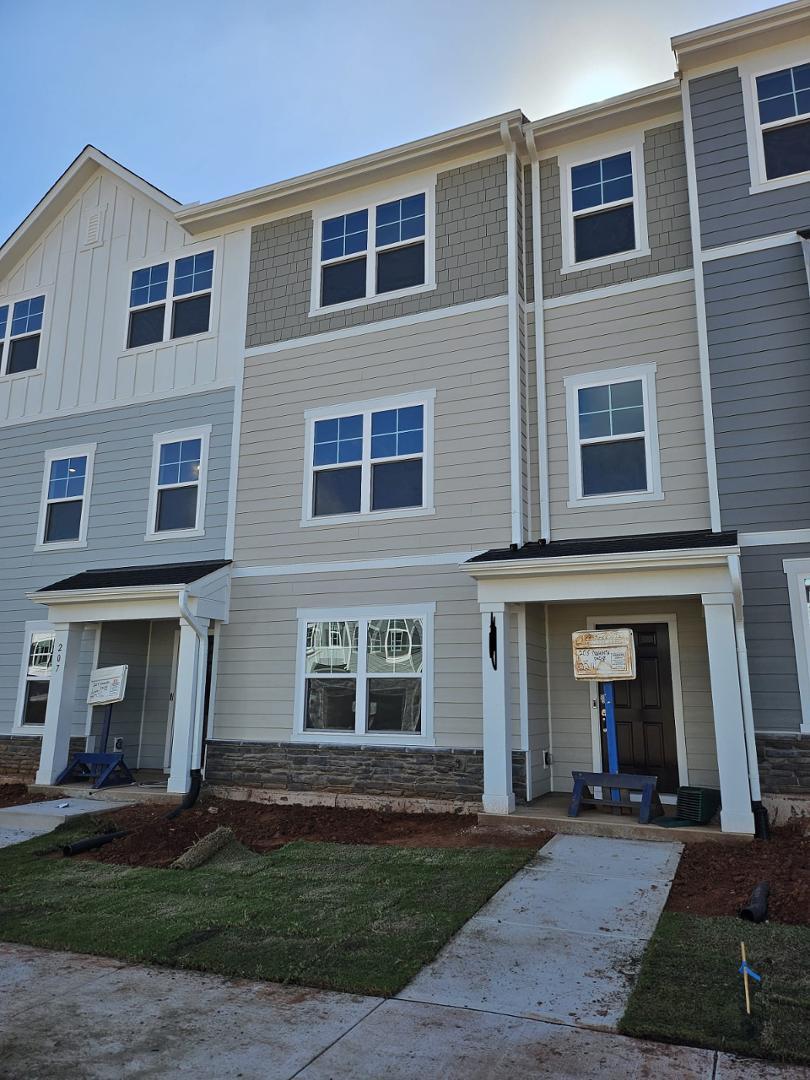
453	401
121	344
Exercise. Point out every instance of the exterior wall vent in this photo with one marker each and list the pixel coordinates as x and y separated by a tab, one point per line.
93	227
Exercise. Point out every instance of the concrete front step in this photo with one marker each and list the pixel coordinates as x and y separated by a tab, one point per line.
122	794
43	816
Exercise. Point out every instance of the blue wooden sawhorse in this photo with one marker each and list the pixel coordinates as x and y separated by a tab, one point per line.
616	788
103	768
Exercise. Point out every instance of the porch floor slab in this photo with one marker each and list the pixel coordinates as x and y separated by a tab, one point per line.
149	786
44	816
562	940
551	812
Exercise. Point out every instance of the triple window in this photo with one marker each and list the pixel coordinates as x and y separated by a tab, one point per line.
365	675
20	334
65	497
783	106
155	315
374	251
369	460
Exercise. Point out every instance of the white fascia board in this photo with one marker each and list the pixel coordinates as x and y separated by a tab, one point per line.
639	560
726	40
133	593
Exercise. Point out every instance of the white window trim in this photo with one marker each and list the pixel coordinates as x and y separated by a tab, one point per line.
158	440
88	450
426	399
574	383
426	613
10	301
171	259
594	151
35	626
370	199
798	571
749	69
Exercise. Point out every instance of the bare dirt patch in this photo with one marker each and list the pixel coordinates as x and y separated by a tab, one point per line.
717	879
18	795
154	841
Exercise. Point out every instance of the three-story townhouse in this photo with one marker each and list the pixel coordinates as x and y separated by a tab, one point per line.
746	89
120	348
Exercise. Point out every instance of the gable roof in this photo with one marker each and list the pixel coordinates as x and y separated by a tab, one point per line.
63	192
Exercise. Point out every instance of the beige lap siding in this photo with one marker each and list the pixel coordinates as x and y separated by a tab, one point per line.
655	325
462	357
570	700
257	675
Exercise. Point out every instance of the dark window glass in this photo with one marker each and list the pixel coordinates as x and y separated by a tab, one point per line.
23	354
395	705
145	326
36	701
330	704
177	508
395	484
612	467
343	281
787	150
191	316
337	491
63	521
401	268
605	233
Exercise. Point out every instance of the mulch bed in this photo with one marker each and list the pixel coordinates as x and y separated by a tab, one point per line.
18	794
154	841
717	879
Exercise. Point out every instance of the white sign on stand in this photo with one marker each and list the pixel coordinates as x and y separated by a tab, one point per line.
604	655
107	685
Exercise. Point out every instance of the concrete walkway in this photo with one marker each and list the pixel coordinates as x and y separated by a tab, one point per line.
563	939
19	823
89	1018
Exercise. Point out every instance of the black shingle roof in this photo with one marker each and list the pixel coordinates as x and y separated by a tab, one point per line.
610	545
125	576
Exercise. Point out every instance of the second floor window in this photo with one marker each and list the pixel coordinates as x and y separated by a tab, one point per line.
20	333
783	103
374	251
177	498
369	461
602	207
65	497
154	316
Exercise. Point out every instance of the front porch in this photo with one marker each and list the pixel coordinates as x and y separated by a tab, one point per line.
686	718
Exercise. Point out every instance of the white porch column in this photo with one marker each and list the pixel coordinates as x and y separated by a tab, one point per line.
61	708
498	795
732	758
186	695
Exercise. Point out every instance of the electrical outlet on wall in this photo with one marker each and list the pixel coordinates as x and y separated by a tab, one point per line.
118	744
546	759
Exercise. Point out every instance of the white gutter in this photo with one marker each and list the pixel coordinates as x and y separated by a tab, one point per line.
515	441
199	688
745	682
539	340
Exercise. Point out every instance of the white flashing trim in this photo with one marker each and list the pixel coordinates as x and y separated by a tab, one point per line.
774	538
798	572
539	341
395	562
88	451
746	247
658	281
700	312
159	439
376	327
515	441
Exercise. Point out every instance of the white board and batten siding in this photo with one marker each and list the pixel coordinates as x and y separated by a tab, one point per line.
655	325
83	359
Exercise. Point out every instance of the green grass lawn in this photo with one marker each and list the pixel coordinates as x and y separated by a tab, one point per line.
689	989
360	919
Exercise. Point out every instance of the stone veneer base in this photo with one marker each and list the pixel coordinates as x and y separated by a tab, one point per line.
784	764
19	756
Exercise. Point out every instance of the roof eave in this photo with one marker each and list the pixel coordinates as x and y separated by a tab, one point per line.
726	40
672	558
482	137
122	592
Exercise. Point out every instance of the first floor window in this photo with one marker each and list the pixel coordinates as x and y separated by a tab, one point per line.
783	104
602	207
37	677
20	333
368	461
364	676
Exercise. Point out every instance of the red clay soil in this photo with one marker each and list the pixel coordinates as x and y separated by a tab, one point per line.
18	794
717	879
154	841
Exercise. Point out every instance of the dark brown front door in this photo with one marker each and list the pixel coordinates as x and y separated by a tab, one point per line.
645	716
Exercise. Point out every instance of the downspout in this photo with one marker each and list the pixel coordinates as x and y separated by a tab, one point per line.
199	688
539	338
513	314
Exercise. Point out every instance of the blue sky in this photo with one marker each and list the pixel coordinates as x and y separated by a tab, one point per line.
208	98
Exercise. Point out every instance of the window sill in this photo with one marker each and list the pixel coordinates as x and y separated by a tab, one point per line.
205	335
367	301
362	519
779	182
22	374
615	500
366	740
28	729
606	260
65	545
176	534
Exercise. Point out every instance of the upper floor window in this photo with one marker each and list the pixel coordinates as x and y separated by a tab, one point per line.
783	104
613	442
152	318
602	207
370	461
20	333
375	251
65	497
177	493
